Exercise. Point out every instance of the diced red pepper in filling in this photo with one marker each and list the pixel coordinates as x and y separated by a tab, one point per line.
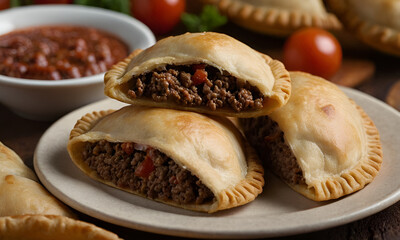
145	168
199	77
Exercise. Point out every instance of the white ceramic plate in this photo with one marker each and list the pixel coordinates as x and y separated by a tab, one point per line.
278	211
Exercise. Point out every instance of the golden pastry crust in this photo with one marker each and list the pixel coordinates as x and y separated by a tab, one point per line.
277	17
218	50
49	227
210	148
334	142
356	178
378	29
19	195
11	163
20	192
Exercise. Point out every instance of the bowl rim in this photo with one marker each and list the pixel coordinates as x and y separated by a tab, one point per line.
13	81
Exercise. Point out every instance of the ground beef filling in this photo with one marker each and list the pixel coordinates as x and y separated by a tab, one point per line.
196	85
268	139
145	170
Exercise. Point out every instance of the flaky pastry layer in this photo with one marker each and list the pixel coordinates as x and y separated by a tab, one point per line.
212	149
49	227
218	50
336	144
376	25
277	17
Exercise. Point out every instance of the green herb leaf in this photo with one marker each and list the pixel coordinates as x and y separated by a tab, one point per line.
115	5
17	3
208	20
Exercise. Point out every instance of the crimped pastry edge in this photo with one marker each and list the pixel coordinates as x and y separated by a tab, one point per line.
276	22
48	227
379	37
244	192
281	91
354	179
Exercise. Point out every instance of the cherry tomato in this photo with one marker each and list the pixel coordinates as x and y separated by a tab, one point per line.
159	15
52	1
312	50
4	4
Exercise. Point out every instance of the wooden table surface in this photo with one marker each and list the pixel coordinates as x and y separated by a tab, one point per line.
22	135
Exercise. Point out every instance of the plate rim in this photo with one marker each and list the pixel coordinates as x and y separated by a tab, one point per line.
168	229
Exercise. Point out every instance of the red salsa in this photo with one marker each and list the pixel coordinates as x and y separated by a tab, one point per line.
59	52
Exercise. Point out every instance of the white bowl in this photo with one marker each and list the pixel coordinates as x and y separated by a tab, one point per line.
48	100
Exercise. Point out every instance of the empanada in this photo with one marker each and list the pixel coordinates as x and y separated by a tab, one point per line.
320	143
12	164
202	72
180	158
20	193
375	22
50	227
277	17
